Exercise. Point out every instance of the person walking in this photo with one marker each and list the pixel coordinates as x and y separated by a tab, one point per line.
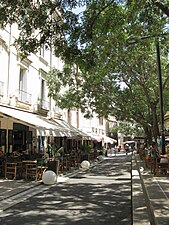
146	156
127	148
155	158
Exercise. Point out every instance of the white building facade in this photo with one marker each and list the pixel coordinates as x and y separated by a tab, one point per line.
28	117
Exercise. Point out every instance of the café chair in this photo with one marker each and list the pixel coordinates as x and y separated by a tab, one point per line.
31	171
2	167
162	166
41	168
10	170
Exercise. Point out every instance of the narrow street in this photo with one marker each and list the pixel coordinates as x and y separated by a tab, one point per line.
98	196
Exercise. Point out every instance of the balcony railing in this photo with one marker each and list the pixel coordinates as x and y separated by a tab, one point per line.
57	110
25	97
1	88
44	104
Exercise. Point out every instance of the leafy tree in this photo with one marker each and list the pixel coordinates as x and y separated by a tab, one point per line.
41	22
105	71
128	129
117	61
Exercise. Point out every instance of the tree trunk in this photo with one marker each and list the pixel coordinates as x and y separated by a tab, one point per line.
155	121
148	134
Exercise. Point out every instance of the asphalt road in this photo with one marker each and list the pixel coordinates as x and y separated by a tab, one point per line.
98	196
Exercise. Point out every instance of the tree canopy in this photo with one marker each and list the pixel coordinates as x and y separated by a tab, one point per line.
109	51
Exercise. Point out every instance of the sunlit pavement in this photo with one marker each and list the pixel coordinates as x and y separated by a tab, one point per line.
156	193
100	195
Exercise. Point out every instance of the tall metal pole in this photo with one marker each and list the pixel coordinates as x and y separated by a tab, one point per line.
161	97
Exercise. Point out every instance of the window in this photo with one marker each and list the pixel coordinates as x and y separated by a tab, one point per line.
100	120
44	94
42	51
2	137
23	80
43	89
1	88
69	114
23	95
3	66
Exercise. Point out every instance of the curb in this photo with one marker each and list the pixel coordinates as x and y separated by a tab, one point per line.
139	207
150	211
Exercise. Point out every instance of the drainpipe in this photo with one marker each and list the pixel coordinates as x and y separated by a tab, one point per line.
9	60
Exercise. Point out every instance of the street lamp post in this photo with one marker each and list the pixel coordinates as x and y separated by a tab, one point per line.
160	87
161	97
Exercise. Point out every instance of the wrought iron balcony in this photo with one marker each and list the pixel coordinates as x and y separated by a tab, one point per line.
23	96
44	104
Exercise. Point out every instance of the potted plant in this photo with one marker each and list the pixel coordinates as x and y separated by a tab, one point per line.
85	150
102	151
54	163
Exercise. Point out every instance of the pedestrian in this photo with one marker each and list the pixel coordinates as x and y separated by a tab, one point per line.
119	148
127	148
155	157
1	152
115	150
146	156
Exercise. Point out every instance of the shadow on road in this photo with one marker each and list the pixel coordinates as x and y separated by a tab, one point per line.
99	196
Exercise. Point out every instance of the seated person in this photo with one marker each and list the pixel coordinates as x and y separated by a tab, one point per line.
33	151
16	153
45	158
1	152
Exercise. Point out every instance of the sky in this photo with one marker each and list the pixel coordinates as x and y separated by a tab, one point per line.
79	9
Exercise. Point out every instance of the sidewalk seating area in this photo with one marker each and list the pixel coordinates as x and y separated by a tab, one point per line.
158	166
32	168
15	189
23	169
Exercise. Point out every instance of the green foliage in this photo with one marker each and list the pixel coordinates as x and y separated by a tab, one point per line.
121	76
86	148
109	53
102	151
55	152
128	129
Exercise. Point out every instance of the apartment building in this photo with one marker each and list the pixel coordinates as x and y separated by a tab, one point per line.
98	128
28	117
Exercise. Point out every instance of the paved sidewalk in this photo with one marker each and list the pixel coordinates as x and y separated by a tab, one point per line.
156	193
140	213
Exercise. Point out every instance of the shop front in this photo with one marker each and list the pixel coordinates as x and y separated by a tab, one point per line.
23	131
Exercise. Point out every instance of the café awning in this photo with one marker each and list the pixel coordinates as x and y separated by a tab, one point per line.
129	142
109	140
44	126
96	137
75	132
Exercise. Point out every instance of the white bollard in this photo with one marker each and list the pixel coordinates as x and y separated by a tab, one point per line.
49	177
85	164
